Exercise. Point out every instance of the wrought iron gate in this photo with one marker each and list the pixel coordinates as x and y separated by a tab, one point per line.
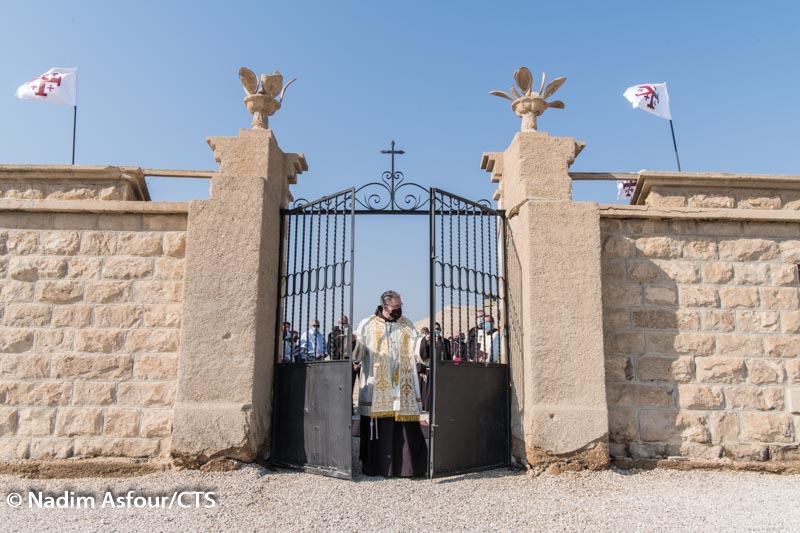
311	427
470	426
470	423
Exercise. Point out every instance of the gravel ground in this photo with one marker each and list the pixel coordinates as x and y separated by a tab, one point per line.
254	498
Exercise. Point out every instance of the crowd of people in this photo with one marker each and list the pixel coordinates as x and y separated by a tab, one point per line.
481	344
312	344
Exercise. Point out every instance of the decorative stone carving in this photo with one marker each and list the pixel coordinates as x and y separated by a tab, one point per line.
261	100
530	105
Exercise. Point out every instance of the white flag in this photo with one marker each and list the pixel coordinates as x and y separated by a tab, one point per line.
56	86
651	97
625	189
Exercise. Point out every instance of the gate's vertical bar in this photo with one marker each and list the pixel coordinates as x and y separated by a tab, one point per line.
324	273
278	315
479	303
334	247
432	352
458	249
348	340
449	259
300	331
494	269
308	273
503	247
493	298
351	196
463	261
352	249
318	215
294	283
441	265
286	220
483	296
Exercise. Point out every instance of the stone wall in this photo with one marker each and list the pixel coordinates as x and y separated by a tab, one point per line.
701	323
717	190
723	198
91	314
67	182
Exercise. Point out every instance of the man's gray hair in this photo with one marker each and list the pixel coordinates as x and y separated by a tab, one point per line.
388	296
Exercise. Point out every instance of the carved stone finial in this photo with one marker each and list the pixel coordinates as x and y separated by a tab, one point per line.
261	101
530	105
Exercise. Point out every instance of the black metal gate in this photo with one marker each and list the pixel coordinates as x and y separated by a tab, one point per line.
312	407
470	401
470	423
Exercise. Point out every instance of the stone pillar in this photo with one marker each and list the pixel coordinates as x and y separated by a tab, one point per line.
224	397
560	411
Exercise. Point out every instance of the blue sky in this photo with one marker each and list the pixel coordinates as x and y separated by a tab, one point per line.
157	78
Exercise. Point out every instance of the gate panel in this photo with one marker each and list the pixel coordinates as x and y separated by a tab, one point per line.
312	402
471	423
311	422
472	417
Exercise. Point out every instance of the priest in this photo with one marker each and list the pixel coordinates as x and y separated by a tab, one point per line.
392	443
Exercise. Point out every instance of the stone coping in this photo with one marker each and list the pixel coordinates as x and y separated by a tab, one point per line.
696	180
697	213
134	176
94	206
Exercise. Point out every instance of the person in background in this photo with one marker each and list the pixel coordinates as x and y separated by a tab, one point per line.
441	344
472	336
296	354
288	345
337	338
458	347
312	343
488	342
424	369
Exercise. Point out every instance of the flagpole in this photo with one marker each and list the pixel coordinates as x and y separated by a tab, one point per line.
674	145
75	120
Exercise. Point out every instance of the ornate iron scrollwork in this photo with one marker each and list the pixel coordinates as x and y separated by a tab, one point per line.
392	194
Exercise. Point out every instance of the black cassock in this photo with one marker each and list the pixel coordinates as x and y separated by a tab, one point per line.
392	449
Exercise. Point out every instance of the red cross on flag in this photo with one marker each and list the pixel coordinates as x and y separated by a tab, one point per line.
625	189
56	86
650	97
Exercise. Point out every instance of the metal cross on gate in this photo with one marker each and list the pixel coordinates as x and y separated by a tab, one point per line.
393	151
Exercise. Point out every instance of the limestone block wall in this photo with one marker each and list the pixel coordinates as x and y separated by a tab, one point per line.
91	313
67	182
723	198
717	190
702	337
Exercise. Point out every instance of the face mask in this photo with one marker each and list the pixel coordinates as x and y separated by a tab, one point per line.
438	332
396	313
481	321
316	329
487	326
